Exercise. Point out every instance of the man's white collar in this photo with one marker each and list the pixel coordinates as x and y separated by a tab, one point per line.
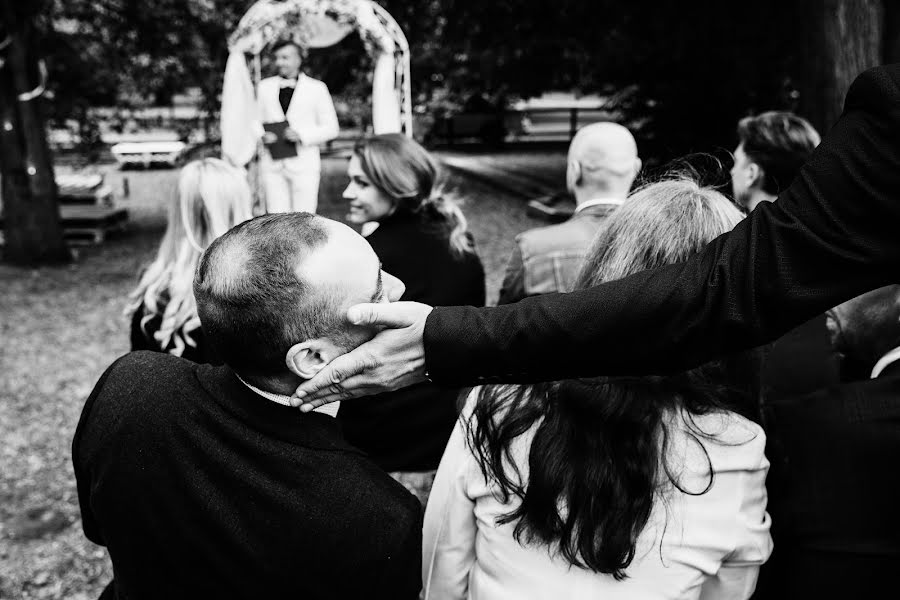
598	202
329	409
882	364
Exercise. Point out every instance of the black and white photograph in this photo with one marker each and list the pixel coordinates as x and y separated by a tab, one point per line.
449	299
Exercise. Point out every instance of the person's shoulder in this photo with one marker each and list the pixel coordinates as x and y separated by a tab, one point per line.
313	82
878	88
729	441
379	498
560	236
146	372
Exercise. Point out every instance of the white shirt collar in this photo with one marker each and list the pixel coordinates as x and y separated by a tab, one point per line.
286	82
889	358
329	409
598	202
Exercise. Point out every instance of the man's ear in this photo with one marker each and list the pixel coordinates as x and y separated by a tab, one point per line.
573	175
755	175
308	358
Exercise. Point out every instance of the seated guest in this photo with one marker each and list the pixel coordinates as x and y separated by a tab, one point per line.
834	461
647	487
772	147
602	165
203	482
422	238
212	197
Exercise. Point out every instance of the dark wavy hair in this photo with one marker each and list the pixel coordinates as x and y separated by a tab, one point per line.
598	458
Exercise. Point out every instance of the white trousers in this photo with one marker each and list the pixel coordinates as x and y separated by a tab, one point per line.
290	190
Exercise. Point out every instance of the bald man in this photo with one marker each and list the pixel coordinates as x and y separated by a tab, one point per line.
203	482
602	164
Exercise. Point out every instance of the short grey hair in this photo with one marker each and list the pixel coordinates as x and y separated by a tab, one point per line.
252	304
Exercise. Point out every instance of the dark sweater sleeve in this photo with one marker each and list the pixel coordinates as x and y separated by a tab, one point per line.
402	579
81	462
832	235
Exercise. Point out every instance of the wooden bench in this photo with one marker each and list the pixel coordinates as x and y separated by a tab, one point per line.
86	209
147	153
88	224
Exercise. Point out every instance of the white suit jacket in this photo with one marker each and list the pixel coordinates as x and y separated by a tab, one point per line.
310	113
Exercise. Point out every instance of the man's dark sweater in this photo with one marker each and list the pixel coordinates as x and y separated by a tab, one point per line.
199	487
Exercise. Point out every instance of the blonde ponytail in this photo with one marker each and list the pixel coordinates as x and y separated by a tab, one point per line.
447	210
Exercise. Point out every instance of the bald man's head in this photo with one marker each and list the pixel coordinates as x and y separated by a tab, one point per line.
603	160
261	288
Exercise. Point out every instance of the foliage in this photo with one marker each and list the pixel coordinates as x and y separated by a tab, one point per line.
702	64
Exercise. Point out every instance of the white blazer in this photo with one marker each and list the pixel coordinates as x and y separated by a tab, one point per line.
310	113
704	547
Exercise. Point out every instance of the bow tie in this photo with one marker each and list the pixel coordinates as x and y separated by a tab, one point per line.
287	83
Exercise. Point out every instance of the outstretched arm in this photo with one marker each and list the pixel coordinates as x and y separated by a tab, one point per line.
832	235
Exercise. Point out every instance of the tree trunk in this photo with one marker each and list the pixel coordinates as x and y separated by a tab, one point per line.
891	31
32	229
844	38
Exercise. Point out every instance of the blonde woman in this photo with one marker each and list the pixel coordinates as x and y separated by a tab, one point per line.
213	196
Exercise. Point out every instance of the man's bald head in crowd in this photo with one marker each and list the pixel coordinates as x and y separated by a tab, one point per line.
272	294
603	161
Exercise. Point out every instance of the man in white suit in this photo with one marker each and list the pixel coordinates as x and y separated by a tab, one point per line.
292	184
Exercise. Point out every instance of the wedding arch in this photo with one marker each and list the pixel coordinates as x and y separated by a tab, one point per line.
313	24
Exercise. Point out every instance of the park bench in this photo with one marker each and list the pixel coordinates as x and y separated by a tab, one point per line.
86	209
147	153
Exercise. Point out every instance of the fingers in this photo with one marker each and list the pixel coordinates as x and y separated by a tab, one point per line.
393	315
331	376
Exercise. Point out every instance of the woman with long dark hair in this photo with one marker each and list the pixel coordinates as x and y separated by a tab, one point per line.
423	239
628	487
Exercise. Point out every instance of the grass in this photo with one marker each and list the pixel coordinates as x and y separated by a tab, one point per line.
61	327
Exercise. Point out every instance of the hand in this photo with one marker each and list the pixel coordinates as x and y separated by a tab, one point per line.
393	359
292	136
270	137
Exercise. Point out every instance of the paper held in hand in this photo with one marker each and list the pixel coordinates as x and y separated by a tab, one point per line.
279	147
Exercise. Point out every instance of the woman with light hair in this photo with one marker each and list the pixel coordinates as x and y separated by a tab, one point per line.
619	487
213	196
421	238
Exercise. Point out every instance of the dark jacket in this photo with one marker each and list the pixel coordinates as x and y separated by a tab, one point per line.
799	362
407	430
200	488
831	235
834	489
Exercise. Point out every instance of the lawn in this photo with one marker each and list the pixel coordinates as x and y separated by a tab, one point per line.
61	327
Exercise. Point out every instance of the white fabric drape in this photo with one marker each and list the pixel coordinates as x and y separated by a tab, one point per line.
385	100
240	122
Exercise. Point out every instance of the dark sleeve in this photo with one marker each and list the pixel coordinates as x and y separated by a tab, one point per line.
81	463
832	235
513	288
402	578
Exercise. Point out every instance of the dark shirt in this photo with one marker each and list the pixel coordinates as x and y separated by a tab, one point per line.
284	97
407	430
200	488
